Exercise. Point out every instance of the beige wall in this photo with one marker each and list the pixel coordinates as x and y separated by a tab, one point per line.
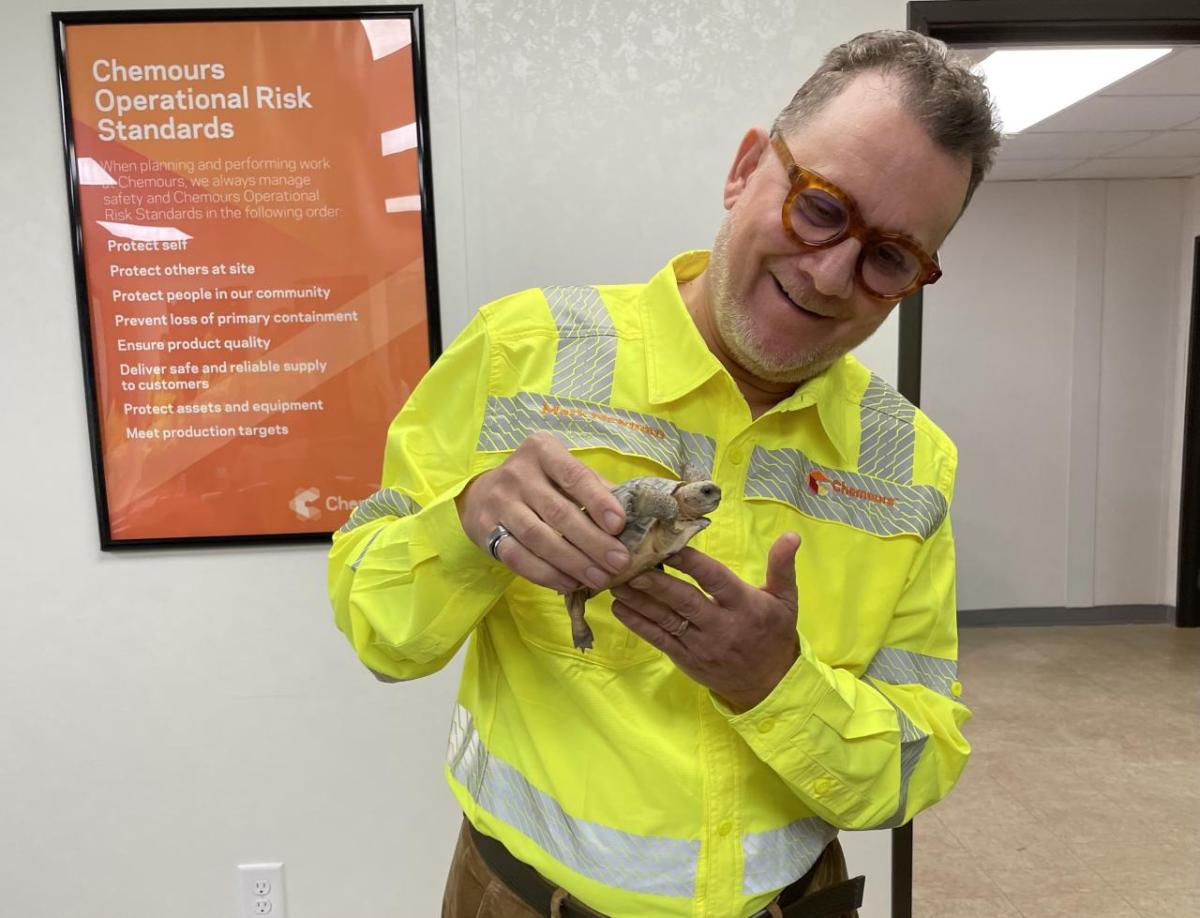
167	715
1051	356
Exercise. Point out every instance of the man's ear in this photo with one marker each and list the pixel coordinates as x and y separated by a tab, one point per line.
749	152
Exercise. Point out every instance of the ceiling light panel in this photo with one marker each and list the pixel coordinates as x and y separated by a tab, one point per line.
1030	85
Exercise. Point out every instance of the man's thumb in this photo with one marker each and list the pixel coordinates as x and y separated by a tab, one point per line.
781	567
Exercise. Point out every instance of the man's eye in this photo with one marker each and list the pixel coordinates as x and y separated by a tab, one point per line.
890	258
820	209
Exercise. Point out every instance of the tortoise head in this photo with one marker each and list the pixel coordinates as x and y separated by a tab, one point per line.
696	498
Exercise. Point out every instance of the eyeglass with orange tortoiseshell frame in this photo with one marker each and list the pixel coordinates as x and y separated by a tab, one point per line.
817	214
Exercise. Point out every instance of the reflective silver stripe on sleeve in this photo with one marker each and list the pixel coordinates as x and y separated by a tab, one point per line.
362	554
385	502
587	344
905	667
776	858
912	744
651	864
873	505
508	421
894	666
888	440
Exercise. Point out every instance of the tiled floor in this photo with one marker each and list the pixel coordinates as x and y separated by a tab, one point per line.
1082	796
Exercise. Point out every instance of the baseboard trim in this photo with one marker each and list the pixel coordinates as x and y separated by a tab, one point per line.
1061	615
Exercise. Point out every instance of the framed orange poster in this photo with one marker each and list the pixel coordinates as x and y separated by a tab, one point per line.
252	213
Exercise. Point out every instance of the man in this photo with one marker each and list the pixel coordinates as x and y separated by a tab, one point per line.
700	758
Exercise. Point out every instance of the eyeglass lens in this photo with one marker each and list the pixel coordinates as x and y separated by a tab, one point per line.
818	217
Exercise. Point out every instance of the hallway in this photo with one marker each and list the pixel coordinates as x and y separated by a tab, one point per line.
1082	796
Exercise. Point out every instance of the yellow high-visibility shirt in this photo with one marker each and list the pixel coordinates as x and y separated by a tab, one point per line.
612	773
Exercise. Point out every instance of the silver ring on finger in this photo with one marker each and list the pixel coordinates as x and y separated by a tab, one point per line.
679	630
495	537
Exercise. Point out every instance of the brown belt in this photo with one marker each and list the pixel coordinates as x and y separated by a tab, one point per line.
546	899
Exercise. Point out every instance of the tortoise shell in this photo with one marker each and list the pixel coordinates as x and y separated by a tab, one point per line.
661	516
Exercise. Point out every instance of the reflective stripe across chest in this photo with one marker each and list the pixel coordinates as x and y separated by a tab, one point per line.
879	498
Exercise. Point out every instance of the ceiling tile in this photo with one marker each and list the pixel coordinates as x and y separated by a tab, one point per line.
1075	145
1024	170
1123	113
1168	143
1178	72
1141	167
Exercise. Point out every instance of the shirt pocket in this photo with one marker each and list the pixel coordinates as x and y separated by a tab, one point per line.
541	614
541	618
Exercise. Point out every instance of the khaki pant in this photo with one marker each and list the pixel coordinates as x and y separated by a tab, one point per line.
473	891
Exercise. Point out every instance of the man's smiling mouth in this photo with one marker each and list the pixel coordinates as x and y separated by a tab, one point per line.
800	306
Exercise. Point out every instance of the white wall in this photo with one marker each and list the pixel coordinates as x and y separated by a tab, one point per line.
166	715
1050	355
597	136
1141	303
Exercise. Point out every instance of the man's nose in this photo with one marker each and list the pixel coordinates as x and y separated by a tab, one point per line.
833	269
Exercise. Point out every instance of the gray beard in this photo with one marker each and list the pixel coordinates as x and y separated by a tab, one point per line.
738	334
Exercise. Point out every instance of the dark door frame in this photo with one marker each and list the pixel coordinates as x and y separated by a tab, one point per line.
1069	22
1187	596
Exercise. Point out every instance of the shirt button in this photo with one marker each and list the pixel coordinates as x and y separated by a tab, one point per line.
822	785
766	725
956	689
737	455
725	828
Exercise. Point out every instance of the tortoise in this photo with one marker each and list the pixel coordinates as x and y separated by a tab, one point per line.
661	517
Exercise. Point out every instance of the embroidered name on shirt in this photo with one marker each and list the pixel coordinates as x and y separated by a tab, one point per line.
574	411
508	420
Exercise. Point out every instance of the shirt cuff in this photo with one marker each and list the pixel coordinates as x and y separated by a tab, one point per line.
792	700
782	732
450	543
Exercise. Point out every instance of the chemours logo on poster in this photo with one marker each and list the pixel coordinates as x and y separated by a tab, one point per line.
302	503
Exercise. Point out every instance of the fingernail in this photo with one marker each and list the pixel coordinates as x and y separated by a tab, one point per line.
617	559
596	577
614	521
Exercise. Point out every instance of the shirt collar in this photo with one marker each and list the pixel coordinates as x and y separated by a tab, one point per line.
831	392
678	360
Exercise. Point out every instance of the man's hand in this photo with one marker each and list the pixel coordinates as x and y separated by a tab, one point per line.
536	494
738	640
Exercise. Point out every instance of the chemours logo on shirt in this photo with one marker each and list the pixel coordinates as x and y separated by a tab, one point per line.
818	483
821	484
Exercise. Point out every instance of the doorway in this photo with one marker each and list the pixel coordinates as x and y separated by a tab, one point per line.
990	23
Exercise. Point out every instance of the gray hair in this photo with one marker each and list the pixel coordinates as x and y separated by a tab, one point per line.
950	102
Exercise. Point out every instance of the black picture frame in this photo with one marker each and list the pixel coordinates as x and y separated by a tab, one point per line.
61	21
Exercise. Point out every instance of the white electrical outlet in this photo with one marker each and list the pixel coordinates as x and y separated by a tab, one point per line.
260	891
